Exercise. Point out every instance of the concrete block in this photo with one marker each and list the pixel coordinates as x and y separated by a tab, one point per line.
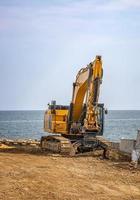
138	140
127	145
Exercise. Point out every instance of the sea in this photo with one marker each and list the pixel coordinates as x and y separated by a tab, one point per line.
29	124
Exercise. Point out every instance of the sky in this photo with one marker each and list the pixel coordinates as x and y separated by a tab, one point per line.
44	43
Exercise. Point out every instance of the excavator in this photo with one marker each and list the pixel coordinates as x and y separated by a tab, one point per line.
76	128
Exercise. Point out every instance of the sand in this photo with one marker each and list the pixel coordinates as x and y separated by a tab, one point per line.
35	176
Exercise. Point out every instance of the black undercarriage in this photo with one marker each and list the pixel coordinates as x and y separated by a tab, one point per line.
86	143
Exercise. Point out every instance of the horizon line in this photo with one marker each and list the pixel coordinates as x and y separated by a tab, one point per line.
46	109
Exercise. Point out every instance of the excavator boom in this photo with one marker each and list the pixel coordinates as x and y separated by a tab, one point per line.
86	94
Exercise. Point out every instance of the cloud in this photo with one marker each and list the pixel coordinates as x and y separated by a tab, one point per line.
133	3
77	19
120	5
71	8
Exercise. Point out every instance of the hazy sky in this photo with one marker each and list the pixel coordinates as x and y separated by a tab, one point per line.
43	44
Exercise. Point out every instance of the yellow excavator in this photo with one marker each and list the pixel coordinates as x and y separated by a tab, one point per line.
75	128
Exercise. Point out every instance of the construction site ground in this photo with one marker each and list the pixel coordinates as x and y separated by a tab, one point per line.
53	177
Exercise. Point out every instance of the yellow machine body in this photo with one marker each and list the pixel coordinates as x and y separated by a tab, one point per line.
55	120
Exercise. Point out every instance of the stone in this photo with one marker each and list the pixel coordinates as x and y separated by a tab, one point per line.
127	145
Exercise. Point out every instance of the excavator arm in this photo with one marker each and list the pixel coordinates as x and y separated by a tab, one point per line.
84	105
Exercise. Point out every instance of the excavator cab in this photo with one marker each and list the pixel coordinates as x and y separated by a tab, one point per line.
78	127
99	120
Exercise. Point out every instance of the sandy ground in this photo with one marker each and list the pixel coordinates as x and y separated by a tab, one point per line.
26	176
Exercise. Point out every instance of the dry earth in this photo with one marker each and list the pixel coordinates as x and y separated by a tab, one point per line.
27	176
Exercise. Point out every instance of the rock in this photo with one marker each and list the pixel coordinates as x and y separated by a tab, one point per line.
127	145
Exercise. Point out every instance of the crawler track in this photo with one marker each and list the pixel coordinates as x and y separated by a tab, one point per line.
56	144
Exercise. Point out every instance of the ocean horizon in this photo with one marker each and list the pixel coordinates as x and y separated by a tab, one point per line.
28	124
